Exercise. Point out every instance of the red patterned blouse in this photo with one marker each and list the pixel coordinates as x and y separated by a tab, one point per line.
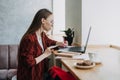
29	49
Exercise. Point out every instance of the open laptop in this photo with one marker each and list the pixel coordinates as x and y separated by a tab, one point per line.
75	48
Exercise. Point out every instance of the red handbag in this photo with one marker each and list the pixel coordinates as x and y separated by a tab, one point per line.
58	74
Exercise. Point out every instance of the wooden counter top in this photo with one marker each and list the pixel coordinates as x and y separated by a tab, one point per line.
108	70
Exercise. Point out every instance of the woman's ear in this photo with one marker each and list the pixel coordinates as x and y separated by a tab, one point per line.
43	20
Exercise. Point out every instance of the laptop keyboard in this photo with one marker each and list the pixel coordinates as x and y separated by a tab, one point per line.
74	49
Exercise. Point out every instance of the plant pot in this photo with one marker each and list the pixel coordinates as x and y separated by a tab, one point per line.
69	39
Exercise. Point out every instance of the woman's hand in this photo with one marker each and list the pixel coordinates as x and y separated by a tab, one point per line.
62	44
47	52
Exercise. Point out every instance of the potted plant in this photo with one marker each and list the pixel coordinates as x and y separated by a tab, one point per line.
69	35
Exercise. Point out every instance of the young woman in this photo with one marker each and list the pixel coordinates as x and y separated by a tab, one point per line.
34	48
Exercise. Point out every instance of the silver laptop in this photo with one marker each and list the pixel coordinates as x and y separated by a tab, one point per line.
74	48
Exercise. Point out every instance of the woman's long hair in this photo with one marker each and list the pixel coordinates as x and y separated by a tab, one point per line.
36	23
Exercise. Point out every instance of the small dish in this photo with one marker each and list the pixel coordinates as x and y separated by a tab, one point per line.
84	67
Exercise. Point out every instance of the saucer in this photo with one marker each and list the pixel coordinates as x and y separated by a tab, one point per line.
84	67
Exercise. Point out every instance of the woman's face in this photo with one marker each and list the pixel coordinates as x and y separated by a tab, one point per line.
47	23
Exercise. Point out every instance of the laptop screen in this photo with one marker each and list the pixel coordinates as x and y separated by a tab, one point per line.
87	39
74	48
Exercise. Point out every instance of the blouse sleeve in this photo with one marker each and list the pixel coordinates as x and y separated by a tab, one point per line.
26	52
49	41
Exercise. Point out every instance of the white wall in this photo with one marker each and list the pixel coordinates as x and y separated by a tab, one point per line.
73	18
67	16
16	16
59	16
104	17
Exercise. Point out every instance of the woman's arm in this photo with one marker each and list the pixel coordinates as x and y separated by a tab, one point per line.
47	53
62	44
26	50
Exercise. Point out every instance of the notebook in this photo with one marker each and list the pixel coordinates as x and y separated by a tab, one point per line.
75	48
